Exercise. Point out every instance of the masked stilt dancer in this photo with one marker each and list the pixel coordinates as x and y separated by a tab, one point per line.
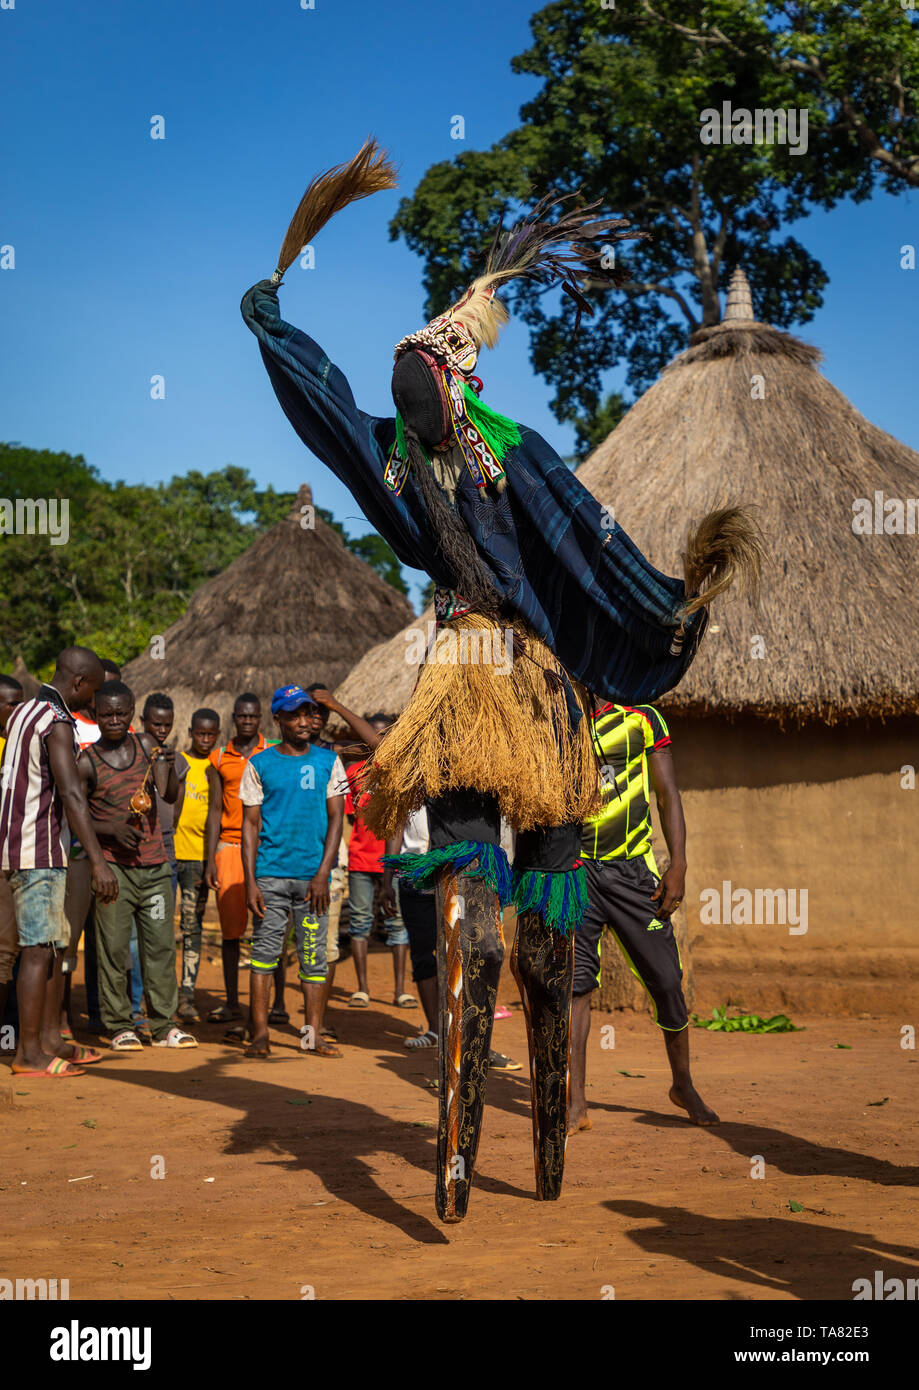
540	597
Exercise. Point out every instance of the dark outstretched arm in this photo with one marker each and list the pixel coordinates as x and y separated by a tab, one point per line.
317	400
672	886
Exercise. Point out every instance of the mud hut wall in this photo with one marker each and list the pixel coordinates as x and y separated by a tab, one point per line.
830	810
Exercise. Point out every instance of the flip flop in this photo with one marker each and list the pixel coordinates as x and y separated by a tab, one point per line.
322	1049
406	1001
360	999
259	1053
58	1066
176	1037
498	1062
427	1039
278	1015
83	1056
224	1014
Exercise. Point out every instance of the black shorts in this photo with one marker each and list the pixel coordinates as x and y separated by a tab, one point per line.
619	897
419	913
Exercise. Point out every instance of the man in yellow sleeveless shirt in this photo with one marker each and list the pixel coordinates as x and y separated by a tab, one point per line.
191	849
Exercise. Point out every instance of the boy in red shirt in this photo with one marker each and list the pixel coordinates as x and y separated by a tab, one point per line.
365	875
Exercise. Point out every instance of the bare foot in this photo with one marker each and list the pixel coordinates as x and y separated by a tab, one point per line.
258	1047
687	1098
34	1061
578	1121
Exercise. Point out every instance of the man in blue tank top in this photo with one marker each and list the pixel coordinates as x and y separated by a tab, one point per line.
291	794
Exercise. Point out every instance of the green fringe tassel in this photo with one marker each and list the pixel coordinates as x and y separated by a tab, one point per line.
400	438
560	899
490	863
499	432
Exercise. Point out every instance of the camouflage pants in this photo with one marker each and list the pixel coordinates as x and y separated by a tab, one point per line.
192	898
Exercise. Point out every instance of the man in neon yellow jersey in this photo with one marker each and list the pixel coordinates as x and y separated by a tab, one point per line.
626	894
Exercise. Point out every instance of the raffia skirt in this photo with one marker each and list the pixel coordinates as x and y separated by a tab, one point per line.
488	712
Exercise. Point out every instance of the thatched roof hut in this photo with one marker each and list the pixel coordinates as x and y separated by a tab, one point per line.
21	673
745	415
297	606
794	729
384	678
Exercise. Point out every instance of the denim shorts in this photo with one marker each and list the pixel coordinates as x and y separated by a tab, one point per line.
38	903
283	896
361	887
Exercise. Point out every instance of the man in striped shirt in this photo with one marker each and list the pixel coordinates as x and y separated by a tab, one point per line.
10	697
41	798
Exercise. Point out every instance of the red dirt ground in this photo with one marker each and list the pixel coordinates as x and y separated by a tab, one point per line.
297	1175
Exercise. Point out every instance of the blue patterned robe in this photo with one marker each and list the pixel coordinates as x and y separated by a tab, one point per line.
575	577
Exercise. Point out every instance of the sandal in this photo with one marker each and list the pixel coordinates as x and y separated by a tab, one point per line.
322	1049
176	1038
360	999
127	1041
187	1013
327	1032
58	1066
253	1051
498	1062
406	1001
278	1014
225	1013
427	1039
83	1056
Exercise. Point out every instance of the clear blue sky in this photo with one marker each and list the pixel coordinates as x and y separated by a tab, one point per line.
132	254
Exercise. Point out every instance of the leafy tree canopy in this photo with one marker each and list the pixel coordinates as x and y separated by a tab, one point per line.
619	116
134	555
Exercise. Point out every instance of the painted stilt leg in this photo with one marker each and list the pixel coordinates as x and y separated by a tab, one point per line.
470	950
542	962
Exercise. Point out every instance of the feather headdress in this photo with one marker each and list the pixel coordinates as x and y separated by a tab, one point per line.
566	251
370	171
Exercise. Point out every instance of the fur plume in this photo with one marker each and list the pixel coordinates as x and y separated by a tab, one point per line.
559	252
370	171
727	545
481	313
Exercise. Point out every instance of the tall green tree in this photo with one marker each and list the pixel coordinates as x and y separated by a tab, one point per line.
134	554
619	116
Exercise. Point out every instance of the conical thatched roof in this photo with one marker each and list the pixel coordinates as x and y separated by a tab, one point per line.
297	606
839	611
21	673
385	677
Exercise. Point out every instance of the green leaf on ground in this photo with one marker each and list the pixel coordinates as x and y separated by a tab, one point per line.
631	1073
722	1022
845	1047
879	1102
795	1206
90	1124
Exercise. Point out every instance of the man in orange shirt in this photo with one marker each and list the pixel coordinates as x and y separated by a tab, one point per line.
223	838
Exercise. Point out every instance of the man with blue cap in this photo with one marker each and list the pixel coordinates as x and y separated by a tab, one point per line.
293	810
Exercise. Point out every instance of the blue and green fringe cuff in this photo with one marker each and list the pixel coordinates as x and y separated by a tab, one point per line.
559	898
474	857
